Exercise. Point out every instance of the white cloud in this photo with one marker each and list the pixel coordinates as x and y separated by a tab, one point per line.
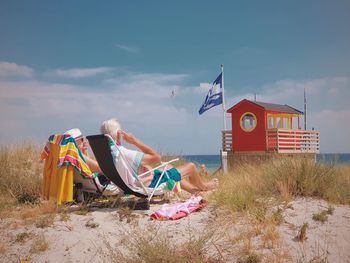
8	69
144	105
334	127
129	49
161	78
147	86
81	72
324	93
142	102
203	88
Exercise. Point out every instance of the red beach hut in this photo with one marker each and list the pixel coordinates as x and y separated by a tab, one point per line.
259	127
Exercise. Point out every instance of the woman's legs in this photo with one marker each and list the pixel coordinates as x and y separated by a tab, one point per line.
185	184
195	182
191	180
188	187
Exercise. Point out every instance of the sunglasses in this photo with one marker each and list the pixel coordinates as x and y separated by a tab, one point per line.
82	140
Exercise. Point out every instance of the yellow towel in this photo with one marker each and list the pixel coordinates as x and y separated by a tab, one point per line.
57	181
62	159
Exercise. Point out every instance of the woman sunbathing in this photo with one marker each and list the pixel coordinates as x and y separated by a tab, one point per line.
146	157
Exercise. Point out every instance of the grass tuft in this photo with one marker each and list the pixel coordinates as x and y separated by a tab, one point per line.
250	258
64	217
151	245
238	191
277	216
125	212
27	199
91	224
45	221
302	233
22	237
271	237
330	210
83	211
302	177
40	244
321	217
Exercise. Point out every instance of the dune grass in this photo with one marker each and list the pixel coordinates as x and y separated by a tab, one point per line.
20	175
20	181
247	188
152	245
251	186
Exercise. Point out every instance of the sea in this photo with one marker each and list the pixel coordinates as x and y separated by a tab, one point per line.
213	162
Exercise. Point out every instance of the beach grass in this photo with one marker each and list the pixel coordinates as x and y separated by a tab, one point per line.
250	189
40	244
152	245
245	189
20	175
21	184
250	186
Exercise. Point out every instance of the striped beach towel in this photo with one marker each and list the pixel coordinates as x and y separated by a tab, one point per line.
69	154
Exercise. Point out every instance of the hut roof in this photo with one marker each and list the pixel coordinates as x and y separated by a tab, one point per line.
270	106
277	107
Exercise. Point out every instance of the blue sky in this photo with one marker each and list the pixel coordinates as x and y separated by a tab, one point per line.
68	64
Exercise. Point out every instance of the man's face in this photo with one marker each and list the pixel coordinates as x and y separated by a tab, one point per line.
82	143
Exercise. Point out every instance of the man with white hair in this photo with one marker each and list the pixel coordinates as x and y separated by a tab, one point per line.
142	160
82	143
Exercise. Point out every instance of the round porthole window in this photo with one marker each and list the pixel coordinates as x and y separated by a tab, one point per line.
248	121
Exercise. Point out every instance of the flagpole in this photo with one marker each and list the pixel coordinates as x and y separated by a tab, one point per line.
223	97
304	109
224	166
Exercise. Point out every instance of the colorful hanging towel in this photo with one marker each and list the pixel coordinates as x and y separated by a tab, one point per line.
54	139
62	160
179	210
69	154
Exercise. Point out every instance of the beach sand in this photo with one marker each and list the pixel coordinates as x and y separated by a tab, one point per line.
103	233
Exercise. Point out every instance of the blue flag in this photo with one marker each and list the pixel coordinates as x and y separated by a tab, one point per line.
214	96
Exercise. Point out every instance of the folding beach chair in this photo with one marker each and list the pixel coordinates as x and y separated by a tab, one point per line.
85	188
102	151
66	169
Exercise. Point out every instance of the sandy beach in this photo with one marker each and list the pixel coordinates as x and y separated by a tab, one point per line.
105	235
242	103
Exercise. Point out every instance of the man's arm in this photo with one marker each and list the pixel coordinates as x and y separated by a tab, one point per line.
93	165
150	155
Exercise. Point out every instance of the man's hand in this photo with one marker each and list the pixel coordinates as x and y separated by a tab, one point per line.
150	156
128	137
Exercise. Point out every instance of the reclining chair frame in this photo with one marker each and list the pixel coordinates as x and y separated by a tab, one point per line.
102	151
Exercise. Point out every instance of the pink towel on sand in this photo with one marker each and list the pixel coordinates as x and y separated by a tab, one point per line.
179	210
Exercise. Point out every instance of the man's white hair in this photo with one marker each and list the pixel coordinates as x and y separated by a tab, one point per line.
110	127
